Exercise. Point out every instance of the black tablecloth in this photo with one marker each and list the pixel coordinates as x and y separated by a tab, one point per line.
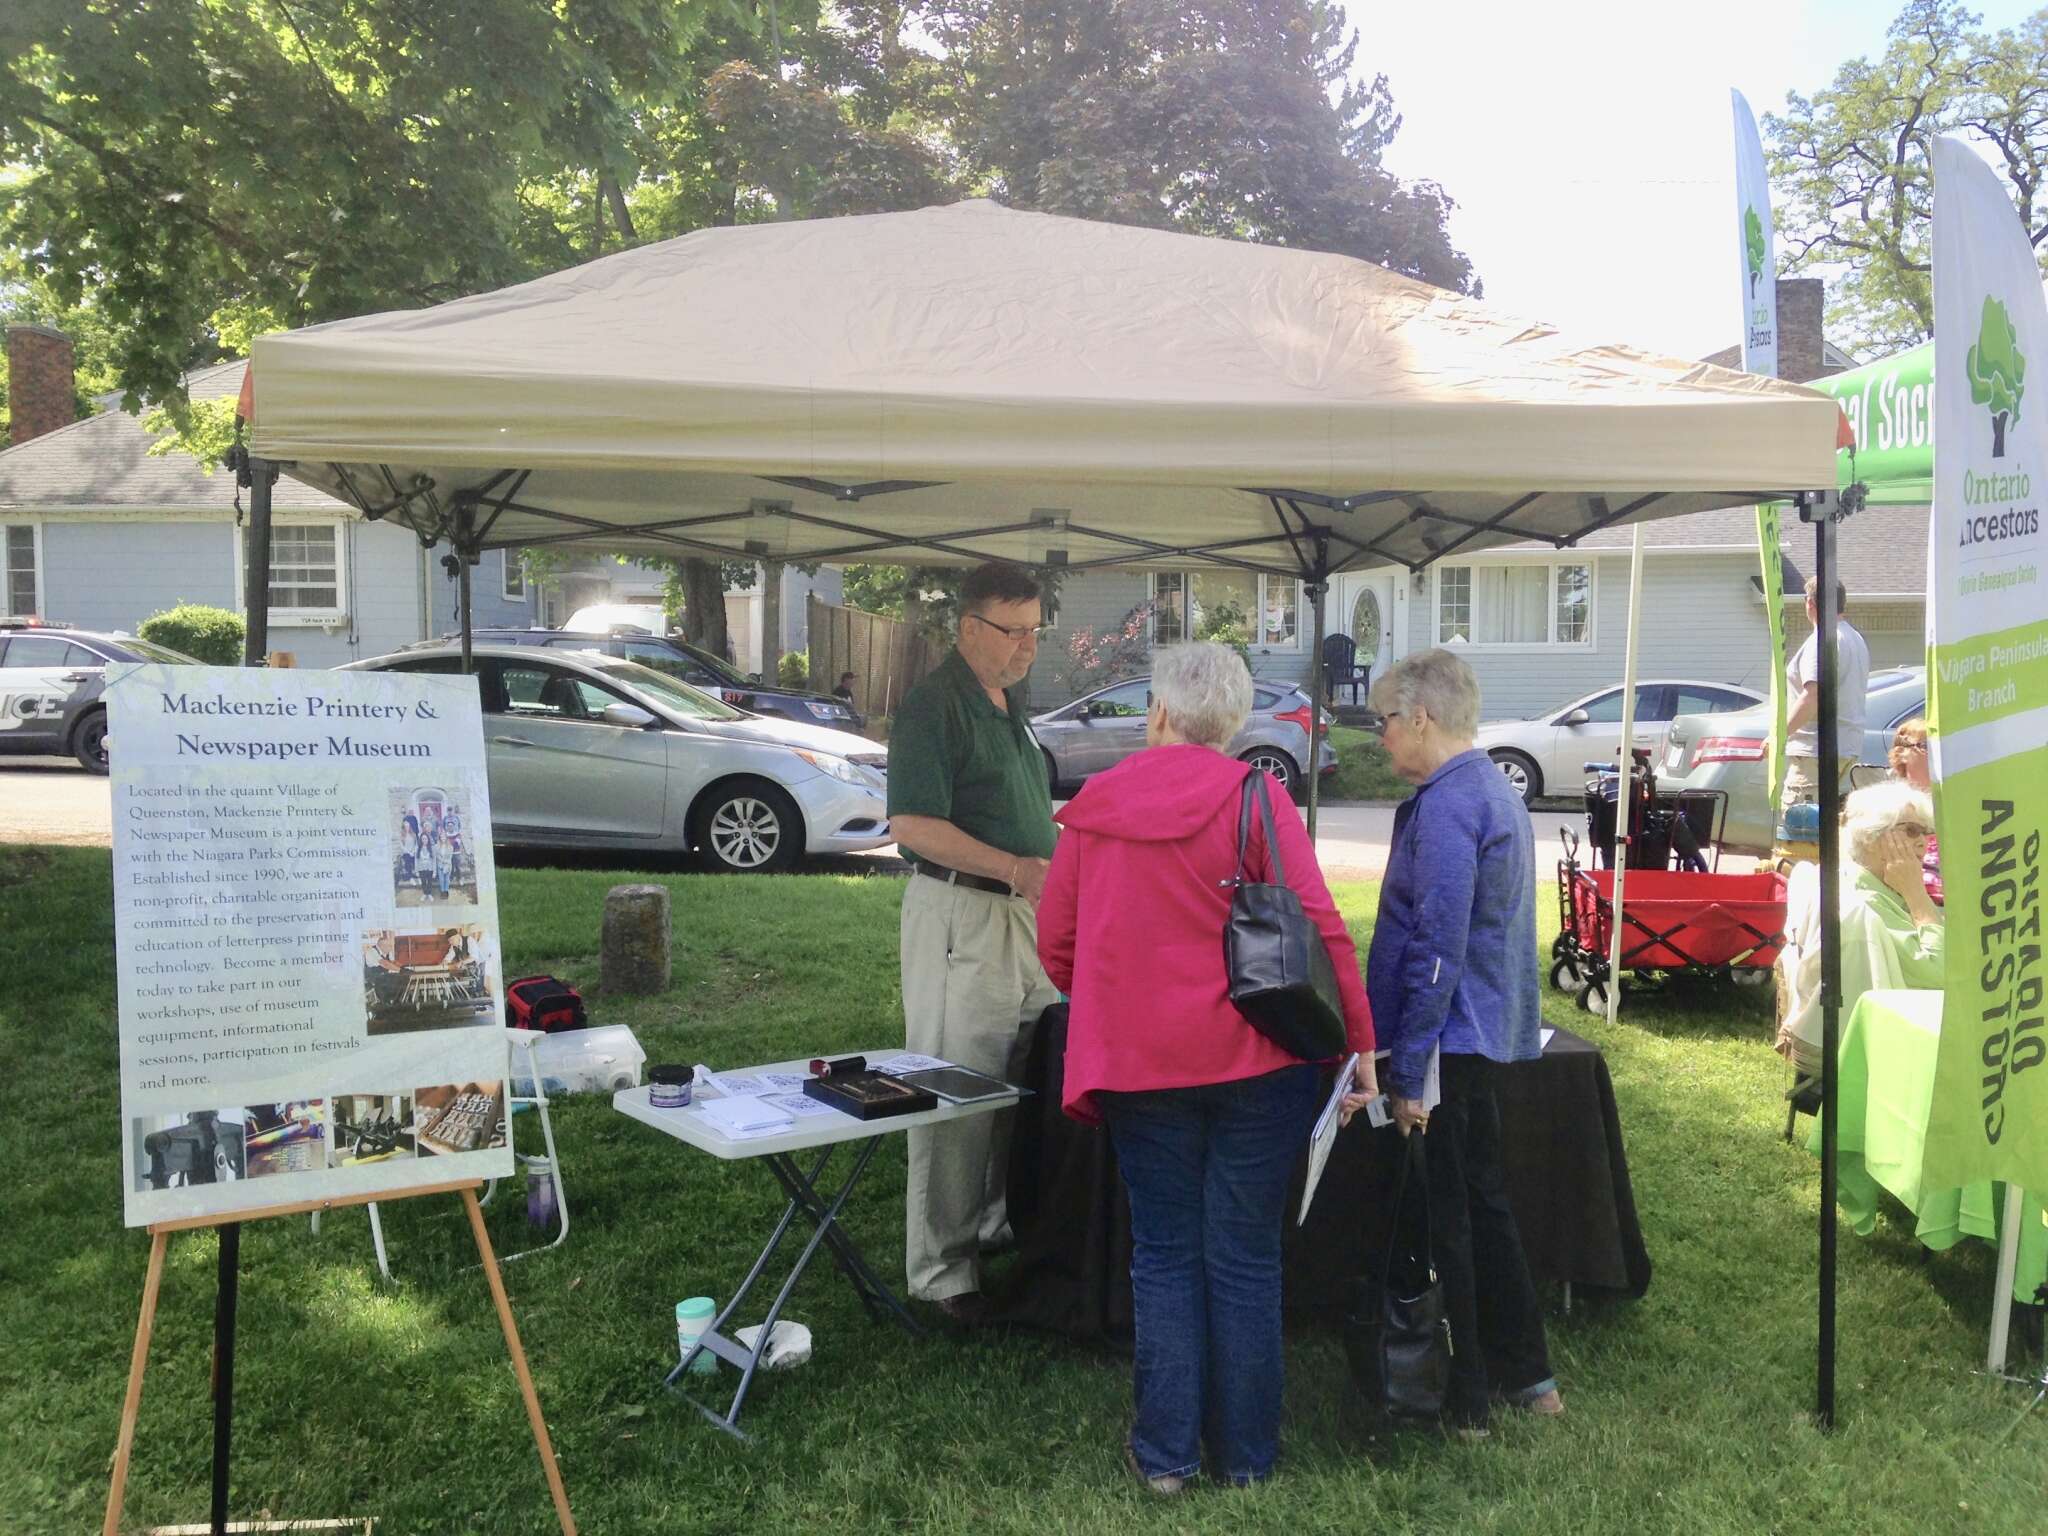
1567	1177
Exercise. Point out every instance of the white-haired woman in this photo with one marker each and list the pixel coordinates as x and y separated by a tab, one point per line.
1891	928
1453	969
1207	1115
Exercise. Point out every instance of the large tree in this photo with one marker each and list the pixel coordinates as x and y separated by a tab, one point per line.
1851	163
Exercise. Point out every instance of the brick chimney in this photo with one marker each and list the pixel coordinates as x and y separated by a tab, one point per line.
1800	352
39	381
1802	355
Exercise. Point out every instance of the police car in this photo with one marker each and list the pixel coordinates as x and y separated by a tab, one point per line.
51	677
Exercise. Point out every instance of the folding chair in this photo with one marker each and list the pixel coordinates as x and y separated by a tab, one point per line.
516	1040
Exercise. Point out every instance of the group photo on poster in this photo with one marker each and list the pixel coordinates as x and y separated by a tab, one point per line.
431	861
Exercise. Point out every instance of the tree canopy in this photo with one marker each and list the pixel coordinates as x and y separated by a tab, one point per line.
182	177
1852	172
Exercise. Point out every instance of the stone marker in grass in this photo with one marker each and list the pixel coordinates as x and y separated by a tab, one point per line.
634	949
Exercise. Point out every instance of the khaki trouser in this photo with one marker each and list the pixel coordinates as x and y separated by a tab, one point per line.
972	991
1802	778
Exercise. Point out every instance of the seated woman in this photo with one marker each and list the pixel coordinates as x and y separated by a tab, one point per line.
1891	929
1908	759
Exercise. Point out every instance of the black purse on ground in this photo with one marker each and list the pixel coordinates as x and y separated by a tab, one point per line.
1398	1339
1281	978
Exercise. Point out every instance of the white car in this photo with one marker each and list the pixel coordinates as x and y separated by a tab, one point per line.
603	618
589	751
1547	754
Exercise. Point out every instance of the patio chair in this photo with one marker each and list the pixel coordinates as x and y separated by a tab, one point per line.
1341	668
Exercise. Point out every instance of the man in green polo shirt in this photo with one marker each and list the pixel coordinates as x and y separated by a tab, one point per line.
968	803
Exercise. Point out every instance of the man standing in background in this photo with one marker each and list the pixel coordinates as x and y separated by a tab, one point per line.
970	805
1802	679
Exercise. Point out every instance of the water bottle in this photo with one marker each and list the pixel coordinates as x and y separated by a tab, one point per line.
541	1205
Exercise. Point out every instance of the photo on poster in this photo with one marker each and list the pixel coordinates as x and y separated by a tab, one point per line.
199	1146
433	856
370	1128
288	1137
435	978
460	1117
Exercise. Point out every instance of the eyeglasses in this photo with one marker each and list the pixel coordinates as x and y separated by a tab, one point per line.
1910	746
1016	634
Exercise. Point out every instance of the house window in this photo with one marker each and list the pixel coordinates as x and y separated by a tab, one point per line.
1265	611
515	576
1527	604
306	579
18	596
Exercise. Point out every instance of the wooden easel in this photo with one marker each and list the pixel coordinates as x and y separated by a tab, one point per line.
224	1335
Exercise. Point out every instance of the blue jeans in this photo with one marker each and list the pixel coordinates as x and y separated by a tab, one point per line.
1207	1169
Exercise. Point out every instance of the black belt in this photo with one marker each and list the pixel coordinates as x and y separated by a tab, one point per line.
957	877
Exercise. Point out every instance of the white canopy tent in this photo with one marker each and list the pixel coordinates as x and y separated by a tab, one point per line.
970	382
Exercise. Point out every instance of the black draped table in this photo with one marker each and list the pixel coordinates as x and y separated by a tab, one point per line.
1567	1178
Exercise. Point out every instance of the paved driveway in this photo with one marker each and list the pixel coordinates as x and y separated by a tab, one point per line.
53	800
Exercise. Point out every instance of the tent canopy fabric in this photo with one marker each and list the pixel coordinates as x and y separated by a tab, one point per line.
971	382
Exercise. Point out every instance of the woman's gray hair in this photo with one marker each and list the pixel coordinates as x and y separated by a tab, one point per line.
1204	689
1876	809
1436	682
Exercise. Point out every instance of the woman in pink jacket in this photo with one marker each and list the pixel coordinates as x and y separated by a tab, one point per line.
1206	1114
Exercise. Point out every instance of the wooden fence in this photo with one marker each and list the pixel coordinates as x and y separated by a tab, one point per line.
884	655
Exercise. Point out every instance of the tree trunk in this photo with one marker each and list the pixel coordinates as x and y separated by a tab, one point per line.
1998	435
704	605
622	216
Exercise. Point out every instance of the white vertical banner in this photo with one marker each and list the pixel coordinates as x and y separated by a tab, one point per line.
306	937
1756	246
1987	612
1757	274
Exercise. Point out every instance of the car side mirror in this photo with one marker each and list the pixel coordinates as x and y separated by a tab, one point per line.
1577	717
630	716
1095	711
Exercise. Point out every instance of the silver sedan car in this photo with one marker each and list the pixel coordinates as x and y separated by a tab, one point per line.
588	751
1725	753
1547	753
1101	729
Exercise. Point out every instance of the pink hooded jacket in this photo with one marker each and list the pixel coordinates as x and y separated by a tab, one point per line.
1131	926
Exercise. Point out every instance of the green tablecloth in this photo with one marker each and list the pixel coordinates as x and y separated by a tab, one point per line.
1887	1086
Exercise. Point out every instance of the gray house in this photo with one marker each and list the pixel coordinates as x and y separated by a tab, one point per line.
101	534
1542	626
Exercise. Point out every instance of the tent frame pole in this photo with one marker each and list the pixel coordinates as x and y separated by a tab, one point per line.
1318	591
464	538
262	475
1820	510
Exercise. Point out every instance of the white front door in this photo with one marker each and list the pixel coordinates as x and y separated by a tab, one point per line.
1371	611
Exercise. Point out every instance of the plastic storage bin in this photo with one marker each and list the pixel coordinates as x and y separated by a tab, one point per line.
600	1060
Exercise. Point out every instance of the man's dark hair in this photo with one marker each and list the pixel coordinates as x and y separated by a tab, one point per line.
845	676
998	582
1841	594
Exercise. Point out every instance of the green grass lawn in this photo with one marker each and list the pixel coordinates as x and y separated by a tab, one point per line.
1363	772
1688	1409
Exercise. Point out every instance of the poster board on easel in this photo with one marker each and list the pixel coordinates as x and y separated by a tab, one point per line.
311	996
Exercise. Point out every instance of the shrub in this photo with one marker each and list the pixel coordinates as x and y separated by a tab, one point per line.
212	635
1094	658
794	670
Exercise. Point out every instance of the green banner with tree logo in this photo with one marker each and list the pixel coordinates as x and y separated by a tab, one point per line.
1988	677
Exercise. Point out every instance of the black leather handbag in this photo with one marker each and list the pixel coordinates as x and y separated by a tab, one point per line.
1281	978
1399	1339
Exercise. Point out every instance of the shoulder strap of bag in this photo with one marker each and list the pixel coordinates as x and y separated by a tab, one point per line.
1412	1155
1255	787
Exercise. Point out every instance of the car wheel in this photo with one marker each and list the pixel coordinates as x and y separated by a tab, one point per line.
1276	762
1521	772
750	827
89	742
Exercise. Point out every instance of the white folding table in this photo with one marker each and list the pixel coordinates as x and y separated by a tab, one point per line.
822	1134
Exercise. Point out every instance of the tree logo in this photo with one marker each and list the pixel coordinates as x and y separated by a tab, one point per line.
1996	370
1753	246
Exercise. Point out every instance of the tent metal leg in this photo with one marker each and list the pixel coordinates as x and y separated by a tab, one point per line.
1821	515
1318	593
466	556
256	565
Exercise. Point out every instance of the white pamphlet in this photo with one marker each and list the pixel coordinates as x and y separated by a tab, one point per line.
741	1117
1324	1136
